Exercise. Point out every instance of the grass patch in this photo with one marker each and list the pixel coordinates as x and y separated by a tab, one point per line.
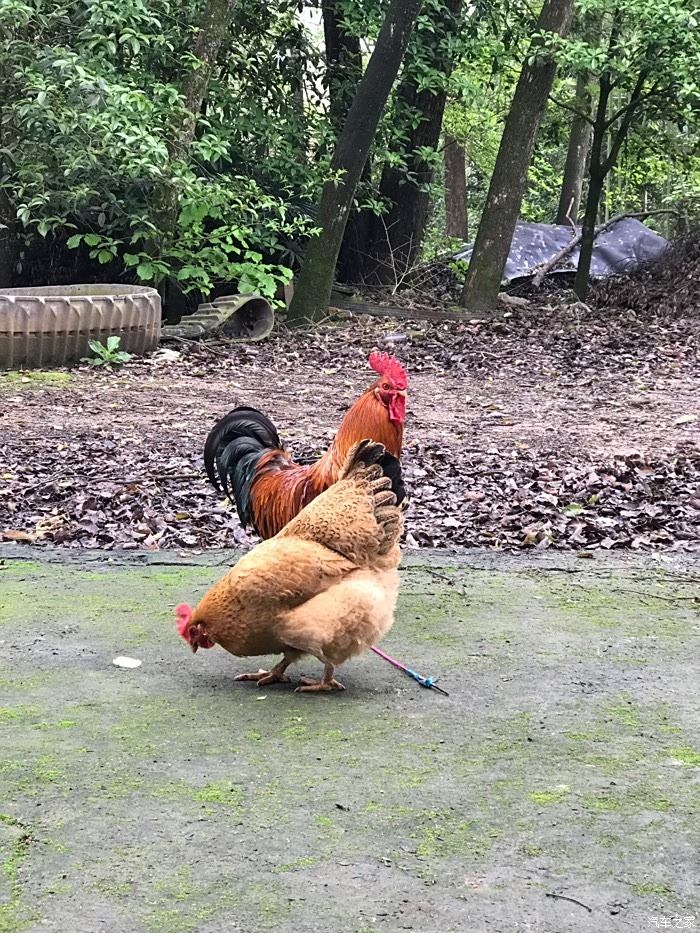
223	793
553	795
687	755
34	379
649	888
305	862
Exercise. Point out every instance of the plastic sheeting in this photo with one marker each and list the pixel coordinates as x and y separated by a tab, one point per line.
619	249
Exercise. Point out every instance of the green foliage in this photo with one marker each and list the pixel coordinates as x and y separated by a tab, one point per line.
91	96
107	354
93	99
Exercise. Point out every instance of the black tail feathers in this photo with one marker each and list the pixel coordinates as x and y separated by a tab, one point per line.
231	453
392	468
369	452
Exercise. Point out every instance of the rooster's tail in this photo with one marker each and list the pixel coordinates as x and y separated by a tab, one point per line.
233	449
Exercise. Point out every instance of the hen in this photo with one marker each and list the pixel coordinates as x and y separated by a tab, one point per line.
326	585
243	454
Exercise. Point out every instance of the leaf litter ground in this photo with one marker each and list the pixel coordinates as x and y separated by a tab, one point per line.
559	426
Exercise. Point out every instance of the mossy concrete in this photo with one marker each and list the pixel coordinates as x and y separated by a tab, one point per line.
566	759
15	380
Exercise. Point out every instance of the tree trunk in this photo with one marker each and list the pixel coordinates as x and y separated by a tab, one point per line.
595	189
509	180
313	289
576	157
455	189
600	167
343	76
343	64
8	241
216	18
398	235
9	246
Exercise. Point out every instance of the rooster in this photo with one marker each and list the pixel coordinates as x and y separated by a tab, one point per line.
325	586
244	457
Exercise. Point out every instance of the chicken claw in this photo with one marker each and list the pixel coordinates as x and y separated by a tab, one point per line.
275	676
325	684
316	686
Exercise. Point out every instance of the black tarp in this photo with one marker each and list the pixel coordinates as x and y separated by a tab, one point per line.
625	245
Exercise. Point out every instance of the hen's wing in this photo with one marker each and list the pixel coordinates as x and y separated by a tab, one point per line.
357	517
280	574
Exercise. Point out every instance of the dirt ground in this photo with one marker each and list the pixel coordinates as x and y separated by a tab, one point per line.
555	789
558	427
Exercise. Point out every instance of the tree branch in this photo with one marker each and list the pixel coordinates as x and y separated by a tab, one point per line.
625	124
552	263
642	97
572	109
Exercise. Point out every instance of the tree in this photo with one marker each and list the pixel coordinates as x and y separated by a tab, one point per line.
418	111
509	180
105	115
343	75
213	29
647	65
576	156
313	289
456	224
343	62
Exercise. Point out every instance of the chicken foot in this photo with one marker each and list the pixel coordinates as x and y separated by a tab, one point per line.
327	682
275	676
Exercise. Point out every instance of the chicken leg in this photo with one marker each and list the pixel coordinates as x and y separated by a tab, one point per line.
275	676
327	682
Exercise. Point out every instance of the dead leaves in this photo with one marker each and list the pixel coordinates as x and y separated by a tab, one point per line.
115	460
529	500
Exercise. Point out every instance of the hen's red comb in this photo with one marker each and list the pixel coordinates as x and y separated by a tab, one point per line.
389	366
184	617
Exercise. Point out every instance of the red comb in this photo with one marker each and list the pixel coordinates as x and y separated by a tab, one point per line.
184	617
389	366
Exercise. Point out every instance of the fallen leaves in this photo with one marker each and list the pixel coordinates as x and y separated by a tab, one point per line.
115	460
626	502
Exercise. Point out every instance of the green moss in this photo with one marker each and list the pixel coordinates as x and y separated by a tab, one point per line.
222	792
252	735
447	835
7	714
13	916
635	800
304	862
45	771
531	850
112	888
593	735
626	714
687	755
34	379
294	732
648	888
601	802
62	724
553	795
185	919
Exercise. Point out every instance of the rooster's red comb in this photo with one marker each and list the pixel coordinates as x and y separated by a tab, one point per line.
389	366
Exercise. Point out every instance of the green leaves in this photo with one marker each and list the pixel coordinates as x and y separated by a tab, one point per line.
107	354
